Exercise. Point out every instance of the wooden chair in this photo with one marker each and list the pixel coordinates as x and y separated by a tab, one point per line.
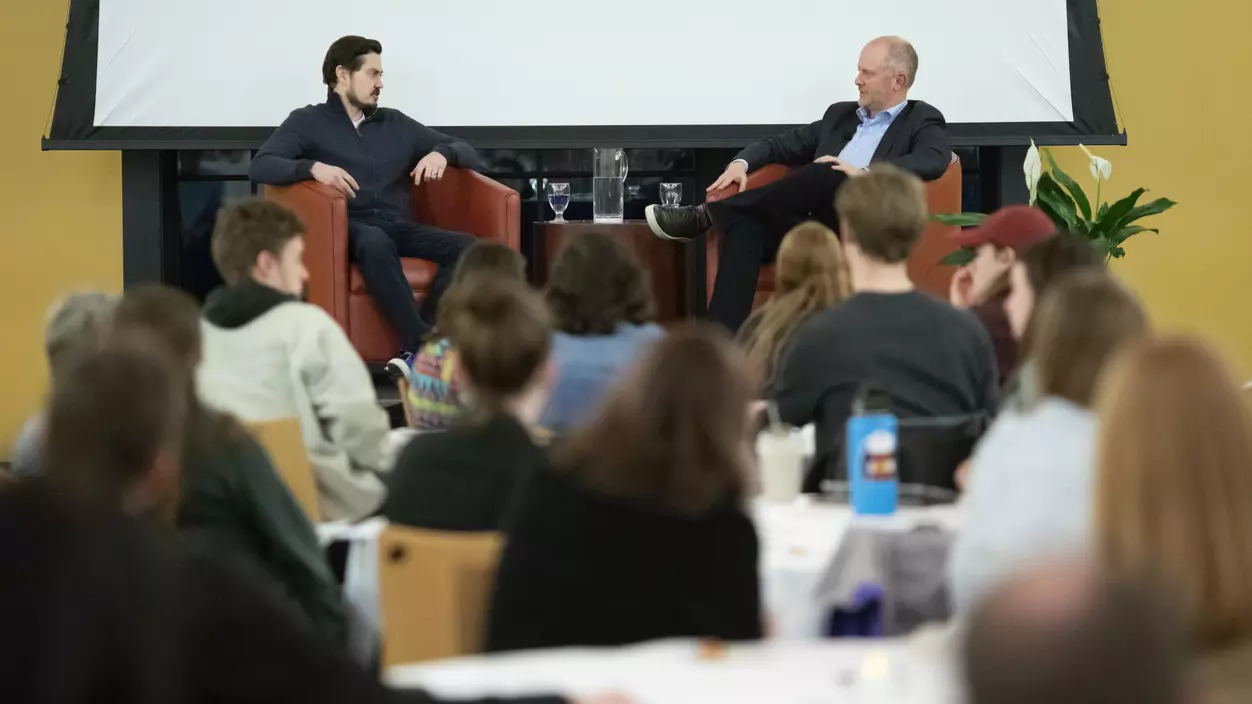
434	589
284	442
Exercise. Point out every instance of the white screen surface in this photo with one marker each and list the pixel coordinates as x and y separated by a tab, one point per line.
481	63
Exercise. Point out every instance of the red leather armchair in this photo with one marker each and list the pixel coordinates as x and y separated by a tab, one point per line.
463	200
942	195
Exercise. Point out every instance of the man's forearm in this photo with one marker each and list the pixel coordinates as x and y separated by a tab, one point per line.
275	170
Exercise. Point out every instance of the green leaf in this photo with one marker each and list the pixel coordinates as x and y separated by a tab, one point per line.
1127	232
959	219
1107	247
1104	209
1156	207
960	257
1054	201
1108	223
1075	191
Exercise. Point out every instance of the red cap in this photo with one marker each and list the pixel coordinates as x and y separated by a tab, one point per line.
1016	227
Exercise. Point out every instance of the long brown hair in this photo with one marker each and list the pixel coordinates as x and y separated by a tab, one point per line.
674	432
1174	486
811	275
1083	319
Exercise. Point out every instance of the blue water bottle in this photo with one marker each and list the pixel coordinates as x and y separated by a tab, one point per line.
870	442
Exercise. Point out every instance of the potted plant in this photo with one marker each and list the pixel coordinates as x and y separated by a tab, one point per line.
1062	199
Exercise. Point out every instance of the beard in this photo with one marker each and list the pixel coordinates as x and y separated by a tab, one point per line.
360	104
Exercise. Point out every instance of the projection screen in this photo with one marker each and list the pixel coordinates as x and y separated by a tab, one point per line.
174	71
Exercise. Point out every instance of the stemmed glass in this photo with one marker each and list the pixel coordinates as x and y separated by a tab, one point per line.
671	194
558	199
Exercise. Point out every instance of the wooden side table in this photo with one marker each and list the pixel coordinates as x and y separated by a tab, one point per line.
664	260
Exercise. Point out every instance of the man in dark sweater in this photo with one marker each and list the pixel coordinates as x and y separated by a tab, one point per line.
368	153
932	359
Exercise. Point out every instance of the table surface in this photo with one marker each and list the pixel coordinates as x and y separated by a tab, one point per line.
918	670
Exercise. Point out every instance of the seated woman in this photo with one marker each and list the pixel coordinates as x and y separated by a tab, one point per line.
1028	494
638	529
810	275
602	306
434	399
233	503
465	478
1173	498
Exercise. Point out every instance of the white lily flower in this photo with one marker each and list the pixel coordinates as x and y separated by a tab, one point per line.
1033	168
1101	169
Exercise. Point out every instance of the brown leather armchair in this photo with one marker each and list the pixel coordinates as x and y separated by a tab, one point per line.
942	195
463	200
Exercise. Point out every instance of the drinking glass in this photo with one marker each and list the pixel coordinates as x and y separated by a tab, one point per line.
671	194
558	199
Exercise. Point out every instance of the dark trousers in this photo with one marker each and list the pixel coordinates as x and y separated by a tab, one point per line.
753	224
376	245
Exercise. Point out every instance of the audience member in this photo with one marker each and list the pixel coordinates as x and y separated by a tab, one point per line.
232	500
72	329
1029	279
269	356
638	530
1066	634
100	608
983	284
1029	493
116	426
435	398
465	478
811	275
602	305
1174	497
932	359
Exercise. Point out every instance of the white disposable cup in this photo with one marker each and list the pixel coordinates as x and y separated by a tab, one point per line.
780	458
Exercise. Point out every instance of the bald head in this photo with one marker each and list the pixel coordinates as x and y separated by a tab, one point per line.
885	72
1068	634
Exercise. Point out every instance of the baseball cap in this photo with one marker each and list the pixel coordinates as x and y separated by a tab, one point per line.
1016	227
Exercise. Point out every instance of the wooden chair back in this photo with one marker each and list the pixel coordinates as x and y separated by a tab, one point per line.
434	590
284	442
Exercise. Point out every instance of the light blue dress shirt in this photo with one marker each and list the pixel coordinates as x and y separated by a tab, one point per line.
859	151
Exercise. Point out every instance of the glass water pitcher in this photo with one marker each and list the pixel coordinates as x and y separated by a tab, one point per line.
608	184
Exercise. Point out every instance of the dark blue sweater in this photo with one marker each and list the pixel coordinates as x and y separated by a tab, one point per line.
380	154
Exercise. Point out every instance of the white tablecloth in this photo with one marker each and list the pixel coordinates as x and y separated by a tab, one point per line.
799	542
672	672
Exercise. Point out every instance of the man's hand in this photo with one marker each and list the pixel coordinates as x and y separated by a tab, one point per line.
838	164
961	290
736	172
336	178
430	168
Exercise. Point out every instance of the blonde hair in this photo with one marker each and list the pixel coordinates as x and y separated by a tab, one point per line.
1077	328
1174	486
811	275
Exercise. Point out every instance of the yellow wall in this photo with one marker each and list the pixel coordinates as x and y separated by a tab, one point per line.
60	213
1180	73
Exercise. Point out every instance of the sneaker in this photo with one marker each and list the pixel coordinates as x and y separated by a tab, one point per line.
401	367
681	223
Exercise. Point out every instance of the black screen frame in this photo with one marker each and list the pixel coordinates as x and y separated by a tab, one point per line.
73	125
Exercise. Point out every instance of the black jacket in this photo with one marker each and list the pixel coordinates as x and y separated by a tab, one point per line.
916	141
100	608
582	568
379	155
464	478
235	505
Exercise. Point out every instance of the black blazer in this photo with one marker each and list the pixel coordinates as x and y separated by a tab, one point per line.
916	141
582	568
464	478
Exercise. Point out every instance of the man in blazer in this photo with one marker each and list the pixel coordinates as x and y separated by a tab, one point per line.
882	126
